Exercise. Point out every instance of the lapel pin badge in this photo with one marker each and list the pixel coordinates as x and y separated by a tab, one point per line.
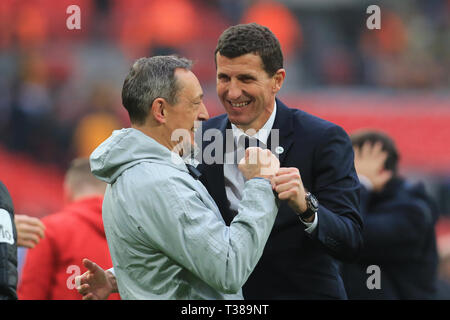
279	150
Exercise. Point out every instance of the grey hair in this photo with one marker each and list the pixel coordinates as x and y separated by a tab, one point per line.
149	79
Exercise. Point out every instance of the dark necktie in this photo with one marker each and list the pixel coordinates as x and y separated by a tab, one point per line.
243	143
193	171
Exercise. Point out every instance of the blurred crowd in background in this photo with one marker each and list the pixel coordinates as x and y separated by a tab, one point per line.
60	88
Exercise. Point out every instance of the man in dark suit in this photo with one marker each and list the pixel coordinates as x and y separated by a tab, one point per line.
300	257
399	220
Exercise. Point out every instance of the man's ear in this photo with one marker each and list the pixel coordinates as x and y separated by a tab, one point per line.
159	110
278	78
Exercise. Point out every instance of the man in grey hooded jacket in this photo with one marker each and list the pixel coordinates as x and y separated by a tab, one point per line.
166	235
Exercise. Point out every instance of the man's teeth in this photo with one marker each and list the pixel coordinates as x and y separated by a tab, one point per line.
241	104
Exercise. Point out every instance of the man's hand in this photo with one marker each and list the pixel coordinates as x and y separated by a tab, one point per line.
259	163
369	162
96	283
289	186
30	230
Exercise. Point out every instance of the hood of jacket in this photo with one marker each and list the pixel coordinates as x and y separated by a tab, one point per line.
126	148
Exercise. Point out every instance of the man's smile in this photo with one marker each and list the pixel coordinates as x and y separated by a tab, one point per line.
239	104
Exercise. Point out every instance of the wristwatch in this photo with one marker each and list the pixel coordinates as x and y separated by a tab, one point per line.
312	204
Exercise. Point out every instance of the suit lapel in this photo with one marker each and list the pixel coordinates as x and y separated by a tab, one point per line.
213	178
282	123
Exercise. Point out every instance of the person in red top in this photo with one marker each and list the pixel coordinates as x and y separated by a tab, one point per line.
50	268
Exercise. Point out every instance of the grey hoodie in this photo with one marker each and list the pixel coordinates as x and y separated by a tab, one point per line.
166	236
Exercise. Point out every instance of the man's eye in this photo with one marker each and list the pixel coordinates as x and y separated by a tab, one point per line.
247	79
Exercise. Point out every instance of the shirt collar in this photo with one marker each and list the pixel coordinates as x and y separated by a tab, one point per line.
263	133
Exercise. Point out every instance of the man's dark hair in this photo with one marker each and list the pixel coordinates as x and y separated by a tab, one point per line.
149	79
373	136
251	38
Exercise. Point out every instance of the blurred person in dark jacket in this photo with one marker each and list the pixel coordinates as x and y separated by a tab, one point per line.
399	220
8	247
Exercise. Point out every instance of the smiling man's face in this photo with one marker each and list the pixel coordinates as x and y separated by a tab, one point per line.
189	107
245	89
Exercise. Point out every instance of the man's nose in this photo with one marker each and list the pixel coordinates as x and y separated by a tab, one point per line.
234	91
203	113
